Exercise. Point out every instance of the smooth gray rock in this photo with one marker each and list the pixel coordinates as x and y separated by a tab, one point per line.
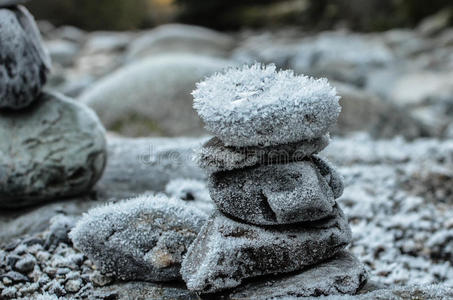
341	274
152	96
382	118
341	56
214	156
180	38
54	149
24	63
139	239
226	252
276	194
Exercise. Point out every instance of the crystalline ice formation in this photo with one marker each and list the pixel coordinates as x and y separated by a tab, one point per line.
258	105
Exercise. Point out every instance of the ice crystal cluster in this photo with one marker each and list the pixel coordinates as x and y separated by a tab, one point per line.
258	105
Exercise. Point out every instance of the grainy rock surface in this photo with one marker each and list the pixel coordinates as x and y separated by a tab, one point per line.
276	194
139	239
342	274
152	97
226	252
24	62
259	106
56	148
214	156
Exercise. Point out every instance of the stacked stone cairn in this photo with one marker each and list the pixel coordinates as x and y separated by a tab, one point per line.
275	197
50	146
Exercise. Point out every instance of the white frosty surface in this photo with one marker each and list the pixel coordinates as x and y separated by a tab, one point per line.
258	105
398	197
139	239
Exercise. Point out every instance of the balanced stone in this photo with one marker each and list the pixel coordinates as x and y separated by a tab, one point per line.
275	194
23	61
54	148
226	252
214	156
259	106
342	274
140	239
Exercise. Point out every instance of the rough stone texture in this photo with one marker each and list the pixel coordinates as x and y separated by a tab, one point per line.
140	290
276	194
152	96
342	274
56	148
259	106
214	156
139	239
135	166
226	252
23	61
179	38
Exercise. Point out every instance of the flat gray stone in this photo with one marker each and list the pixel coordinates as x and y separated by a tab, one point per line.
342	274
226	252
139	239
24	62
55	148
214	156
275	194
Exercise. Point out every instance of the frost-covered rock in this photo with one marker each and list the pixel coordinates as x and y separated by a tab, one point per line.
139	239
179	38
277	194
214	156
258	105
56	148
193	191
152	96
342	274
226	252
24	62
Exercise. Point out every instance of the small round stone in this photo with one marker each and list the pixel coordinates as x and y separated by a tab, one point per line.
260	106
24	63
53	149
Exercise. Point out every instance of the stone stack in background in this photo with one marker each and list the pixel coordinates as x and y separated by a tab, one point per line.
276	198
50	146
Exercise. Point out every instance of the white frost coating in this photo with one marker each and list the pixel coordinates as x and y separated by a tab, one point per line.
258	105
139	239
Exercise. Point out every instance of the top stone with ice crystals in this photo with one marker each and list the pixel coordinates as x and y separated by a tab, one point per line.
260	106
